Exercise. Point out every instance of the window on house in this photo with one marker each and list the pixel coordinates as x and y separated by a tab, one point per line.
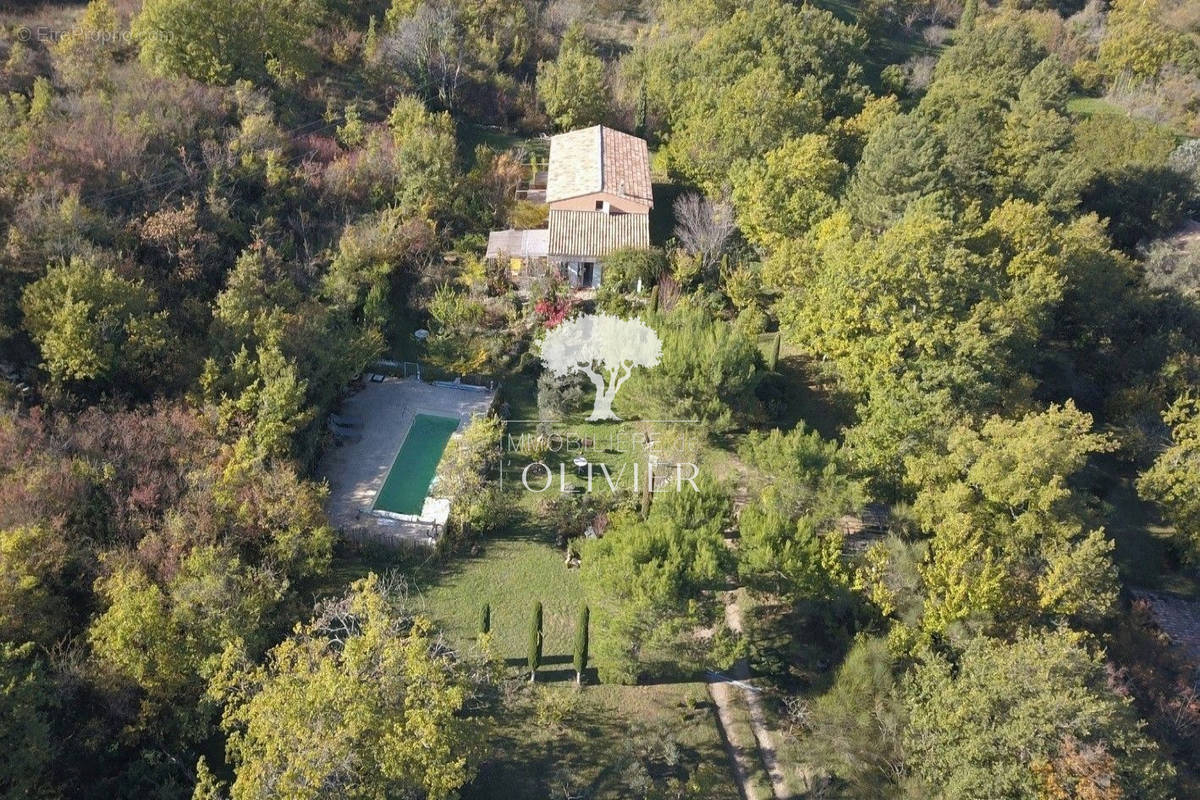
599	205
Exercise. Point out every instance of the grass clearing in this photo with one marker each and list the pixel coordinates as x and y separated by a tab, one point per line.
511	574
595	741
603	739
471	136
1092	106
514	570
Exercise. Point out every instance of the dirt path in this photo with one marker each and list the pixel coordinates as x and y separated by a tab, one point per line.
763	735
741	754
751	753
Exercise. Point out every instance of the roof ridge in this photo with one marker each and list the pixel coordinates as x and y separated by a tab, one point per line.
580	165
600	145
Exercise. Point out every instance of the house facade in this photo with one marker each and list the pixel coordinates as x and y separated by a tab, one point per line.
599	191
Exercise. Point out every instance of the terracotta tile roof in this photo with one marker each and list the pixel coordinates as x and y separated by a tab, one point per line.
598	159
594	234
626	165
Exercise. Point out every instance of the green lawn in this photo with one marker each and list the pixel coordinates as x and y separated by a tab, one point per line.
519	390
613	447
606	733
471	136
1090	106
511	574
617	444
513	570
607	736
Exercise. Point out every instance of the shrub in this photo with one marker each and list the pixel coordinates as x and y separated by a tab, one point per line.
529	216
466	473
93	325
560	395
1174	264
624	268
554	311
707	372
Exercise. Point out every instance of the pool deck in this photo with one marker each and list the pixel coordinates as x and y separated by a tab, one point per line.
356	466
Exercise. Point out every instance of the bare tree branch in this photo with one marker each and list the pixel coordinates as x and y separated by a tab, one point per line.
703	226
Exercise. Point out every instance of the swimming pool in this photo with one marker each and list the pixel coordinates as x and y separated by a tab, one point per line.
407	483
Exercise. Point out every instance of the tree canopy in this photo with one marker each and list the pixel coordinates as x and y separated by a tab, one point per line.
363	701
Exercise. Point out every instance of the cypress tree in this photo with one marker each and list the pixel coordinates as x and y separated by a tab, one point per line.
966	22
639	116
581	645
485	619
535	640
372	41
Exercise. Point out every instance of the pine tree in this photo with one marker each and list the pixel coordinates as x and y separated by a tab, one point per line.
903	161
572	86
581	645
535	640
485	619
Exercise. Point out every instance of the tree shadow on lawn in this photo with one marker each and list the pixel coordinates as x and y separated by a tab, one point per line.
525	525
546	660
424	569
556	675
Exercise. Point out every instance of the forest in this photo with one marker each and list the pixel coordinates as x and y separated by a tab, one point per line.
926	275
